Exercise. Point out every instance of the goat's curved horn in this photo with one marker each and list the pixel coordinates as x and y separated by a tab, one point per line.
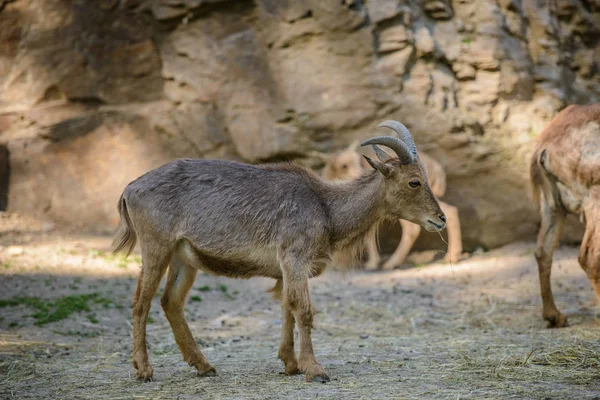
397	145
402	132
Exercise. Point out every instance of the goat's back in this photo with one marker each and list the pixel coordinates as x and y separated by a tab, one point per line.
572	144
217	201
565	162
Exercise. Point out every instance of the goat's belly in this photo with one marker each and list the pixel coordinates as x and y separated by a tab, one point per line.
238	263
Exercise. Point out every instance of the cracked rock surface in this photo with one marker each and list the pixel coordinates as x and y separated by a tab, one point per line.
93	95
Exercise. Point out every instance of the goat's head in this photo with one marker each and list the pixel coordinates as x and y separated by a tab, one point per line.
345	165
406	189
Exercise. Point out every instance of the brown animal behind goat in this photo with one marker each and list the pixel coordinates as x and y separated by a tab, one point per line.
349	164
565	176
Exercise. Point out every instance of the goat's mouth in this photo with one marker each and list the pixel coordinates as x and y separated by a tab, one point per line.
433	226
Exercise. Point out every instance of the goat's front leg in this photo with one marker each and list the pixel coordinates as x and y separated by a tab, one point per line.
296	298
410	233
373	257
455	248
286	347
286	351
552	220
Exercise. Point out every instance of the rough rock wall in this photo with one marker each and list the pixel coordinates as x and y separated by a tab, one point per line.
95	93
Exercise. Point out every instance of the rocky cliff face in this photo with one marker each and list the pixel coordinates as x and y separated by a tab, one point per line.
95	93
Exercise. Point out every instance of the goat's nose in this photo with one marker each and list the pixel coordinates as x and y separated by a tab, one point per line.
443	218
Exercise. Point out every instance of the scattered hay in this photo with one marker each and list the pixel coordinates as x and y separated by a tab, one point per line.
575	362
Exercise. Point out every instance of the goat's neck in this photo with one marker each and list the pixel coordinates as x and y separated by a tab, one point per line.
355	207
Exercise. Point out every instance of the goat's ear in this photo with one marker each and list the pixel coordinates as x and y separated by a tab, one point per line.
381	154
385	169
354	145
321	156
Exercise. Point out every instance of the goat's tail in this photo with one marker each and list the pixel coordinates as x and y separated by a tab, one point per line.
126	237
535	177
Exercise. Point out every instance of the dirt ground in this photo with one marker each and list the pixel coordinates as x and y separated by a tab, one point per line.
468	330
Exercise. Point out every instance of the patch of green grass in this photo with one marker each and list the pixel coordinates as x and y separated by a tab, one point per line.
150	319
204	288
87	334
94	253
6	266
92	318
223	289
57	309
196	298
106	303
13	324
467	40
136	259
119	259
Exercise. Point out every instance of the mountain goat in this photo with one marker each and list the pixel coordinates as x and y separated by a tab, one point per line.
278	221
565	175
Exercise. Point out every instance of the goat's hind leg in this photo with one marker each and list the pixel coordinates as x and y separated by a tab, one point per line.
552	221
589	252
155	260
179	282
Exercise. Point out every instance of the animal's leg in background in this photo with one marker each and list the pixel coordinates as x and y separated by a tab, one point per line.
589	252
454	234
373	257
286	346
410	233
552	221
296	297
155	260
179	282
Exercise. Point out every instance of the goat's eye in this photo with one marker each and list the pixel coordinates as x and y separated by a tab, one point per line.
414	184
344	166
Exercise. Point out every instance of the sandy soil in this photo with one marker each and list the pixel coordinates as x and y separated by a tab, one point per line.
470	330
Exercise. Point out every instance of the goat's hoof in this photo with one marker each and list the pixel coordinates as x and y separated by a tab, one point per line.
454	258
372	265
316	373
556	321
206	372
144	373
292	369
320	379
389	266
